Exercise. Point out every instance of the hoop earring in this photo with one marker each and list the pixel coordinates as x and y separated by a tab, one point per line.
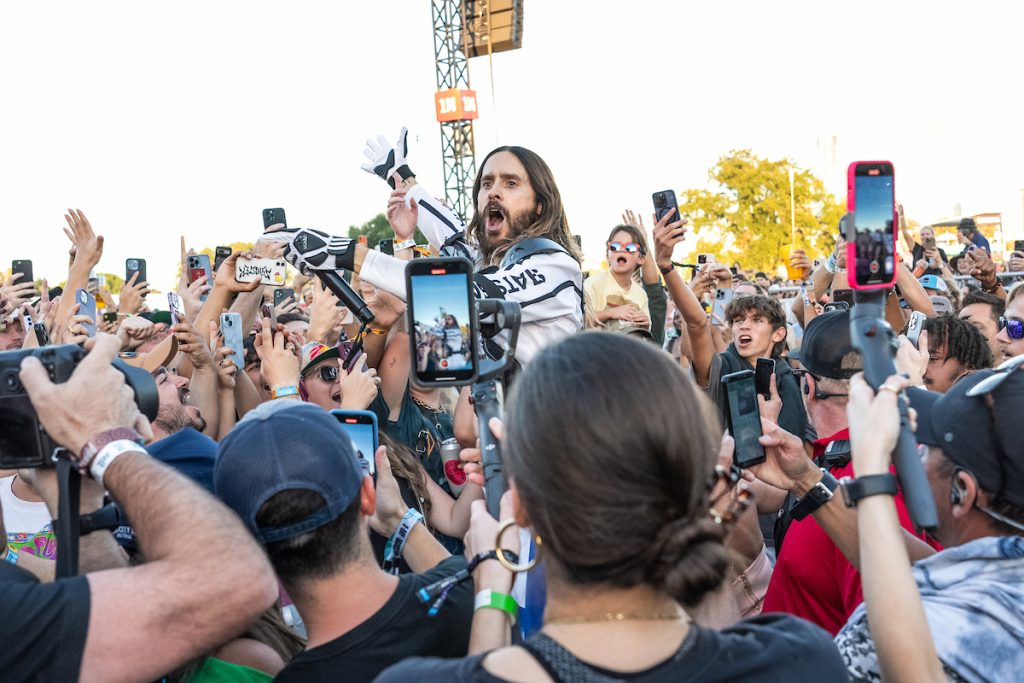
500	552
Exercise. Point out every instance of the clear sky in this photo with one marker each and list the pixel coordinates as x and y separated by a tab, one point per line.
161	119
433	293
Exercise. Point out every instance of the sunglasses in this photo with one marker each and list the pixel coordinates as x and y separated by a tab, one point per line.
328	373
631	248
1014	328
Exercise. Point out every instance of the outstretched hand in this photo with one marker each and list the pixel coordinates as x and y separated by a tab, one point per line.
385	159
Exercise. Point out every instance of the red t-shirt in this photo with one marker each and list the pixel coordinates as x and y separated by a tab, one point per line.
812	578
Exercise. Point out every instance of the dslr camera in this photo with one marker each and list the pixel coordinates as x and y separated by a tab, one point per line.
23	441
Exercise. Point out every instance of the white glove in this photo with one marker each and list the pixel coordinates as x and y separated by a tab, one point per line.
311	250
386	159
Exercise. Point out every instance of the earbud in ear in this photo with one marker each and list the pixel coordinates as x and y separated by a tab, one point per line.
956	495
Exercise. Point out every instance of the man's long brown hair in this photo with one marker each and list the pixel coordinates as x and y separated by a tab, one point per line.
550	223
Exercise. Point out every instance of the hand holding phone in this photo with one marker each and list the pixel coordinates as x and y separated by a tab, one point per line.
664	202
87	307
270	271
176	307
361	427
872	199
442	316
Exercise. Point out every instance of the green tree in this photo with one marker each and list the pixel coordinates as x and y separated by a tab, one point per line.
746	218
377	229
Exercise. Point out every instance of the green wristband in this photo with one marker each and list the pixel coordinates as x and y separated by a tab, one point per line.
495	600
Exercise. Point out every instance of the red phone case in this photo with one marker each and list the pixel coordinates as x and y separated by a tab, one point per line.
851	205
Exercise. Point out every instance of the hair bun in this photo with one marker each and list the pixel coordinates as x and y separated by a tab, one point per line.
691	559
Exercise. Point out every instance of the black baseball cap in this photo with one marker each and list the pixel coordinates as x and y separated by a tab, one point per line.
282	446
826	340
986	443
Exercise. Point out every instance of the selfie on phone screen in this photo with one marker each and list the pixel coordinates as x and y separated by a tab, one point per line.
440	307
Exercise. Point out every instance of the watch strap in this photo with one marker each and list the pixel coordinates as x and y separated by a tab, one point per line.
819	494
869	485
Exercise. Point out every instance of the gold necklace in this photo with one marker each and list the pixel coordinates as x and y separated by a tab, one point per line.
617	616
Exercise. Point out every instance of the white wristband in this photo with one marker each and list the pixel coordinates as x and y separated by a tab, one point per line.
405	244
109	454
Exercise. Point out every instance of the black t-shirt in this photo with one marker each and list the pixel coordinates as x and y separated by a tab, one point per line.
918	252
400	629
773	647
42	627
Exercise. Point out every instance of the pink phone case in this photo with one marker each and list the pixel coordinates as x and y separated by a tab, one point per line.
851	205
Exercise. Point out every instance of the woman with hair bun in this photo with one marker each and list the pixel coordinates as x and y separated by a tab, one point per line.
609	451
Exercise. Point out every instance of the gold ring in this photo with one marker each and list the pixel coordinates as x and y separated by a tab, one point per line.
889	387
500	552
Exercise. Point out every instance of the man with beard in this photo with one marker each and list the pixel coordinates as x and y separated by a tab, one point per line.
515	199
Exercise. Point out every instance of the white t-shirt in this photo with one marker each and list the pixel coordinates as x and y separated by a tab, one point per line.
21	517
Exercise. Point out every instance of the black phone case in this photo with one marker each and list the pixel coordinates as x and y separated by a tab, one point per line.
22	267
272	216
282	294
762	379
663	202
141	271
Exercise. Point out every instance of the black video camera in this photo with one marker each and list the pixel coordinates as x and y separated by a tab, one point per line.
23	441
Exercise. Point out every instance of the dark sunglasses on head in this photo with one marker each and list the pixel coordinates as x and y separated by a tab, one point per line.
1014	328
328	372
631	247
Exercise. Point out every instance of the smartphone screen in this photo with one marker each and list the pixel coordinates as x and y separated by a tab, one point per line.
665	201
135	265
87	307
441	313
361	426
763	372
273	216
874	250
744	418
176	307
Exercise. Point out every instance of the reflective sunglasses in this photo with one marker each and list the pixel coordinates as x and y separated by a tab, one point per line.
631	247
1014	328
328	372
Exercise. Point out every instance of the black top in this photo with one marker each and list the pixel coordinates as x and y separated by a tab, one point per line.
773	647
918	252
400	629
43	627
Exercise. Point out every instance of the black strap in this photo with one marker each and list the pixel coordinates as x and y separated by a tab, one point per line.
837	454
528	247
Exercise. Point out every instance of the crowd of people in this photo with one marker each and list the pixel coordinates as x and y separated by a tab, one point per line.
257	542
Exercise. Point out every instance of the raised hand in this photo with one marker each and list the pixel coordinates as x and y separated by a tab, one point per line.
666	236
359	387
280	365
402	215
133	295
87	244
192	345
191	296
17	293
385	160
225	276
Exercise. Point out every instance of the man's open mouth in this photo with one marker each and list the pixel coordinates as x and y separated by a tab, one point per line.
494	218
744	339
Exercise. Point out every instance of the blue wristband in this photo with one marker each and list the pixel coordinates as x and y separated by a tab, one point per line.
11	556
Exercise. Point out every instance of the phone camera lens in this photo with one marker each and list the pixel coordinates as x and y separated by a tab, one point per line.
659	201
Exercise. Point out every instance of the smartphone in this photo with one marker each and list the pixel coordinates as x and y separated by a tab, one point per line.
914	326
705	259
87	306
1018	245
267	311
110	316
928	242
723	297
442	313
231	333
282	294
763	372
664	202
871	196
23	266
135	265
361	426
42	336
218	257
273	216
199	266
744	418
176	307
835	306
386	247
271	270
843	296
